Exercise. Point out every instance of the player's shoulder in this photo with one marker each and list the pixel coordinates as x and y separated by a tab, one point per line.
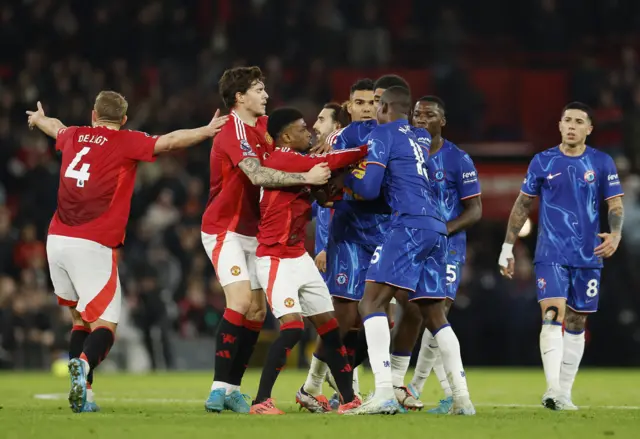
598	155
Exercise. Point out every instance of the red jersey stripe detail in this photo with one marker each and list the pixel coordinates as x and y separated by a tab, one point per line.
273	272
215	254
96	307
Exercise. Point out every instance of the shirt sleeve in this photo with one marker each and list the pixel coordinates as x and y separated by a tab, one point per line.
235	146
609	179
291	161
467	183
64	136
533	181
140	146
367	185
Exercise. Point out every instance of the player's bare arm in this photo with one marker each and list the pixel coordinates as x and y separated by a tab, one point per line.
48	125
267	177
519	214
185	138
470	215
612	240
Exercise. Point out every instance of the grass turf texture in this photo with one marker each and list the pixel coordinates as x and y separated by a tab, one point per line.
171	405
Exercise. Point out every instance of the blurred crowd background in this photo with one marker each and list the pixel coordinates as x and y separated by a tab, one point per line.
166	58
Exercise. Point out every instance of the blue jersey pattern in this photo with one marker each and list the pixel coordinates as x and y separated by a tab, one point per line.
360	222
571	190
396	166
454	177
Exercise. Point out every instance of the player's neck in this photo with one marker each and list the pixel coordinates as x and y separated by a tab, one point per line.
573	150
110	126
436	144
246	116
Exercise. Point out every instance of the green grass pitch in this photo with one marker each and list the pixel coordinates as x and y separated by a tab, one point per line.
171	405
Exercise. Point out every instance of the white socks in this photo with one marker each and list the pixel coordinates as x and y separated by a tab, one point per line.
452	361
426	360
571	356
376	327
551	349
438	368
399	367
315	377
356	381
228	388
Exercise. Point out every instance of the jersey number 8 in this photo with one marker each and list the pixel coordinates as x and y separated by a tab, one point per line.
80	175
592	288
420	162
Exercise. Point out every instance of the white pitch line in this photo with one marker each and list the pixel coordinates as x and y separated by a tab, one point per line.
62	396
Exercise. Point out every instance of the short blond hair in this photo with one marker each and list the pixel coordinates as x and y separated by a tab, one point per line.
110	106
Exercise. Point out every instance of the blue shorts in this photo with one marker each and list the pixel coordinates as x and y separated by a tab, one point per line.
408	256
428	288
347	265
579	286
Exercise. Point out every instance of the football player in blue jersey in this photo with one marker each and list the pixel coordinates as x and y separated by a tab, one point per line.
415	243
572	180
457	188
355	231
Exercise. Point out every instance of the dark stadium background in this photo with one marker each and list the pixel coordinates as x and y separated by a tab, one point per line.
505	69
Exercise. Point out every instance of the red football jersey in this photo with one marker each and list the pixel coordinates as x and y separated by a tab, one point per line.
233	200
287	211
96	181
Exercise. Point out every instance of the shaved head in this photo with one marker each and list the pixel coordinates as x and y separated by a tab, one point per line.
398	99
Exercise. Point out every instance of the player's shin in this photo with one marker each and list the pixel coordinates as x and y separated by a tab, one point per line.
441	374
290	335
452	360
379	340
335	355
249	335
426	360
79	334
227	345
573	348
350	341
315	377
97	346
551	347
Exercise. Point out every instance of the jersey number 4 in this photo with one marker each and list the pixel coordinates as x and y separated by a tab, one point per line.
79	175
420	162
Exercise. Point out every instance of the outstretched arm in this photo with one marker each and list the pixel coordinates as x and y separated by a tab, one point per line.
185	138
48	125
268	177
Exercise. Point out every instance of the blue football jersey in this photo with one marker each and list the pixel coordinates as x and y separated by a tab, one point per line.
323	218
396	167
362	222
571	190
454	177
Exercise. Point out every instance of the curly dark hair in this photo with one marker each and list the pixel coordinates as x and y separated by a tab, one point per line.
238	80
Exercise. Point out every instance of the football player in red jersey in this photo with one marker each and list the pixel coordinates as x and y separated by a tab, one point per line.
94	198
293	285
230	226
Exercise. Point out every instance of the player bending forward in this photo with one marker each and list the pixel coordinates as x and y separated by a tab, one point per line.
294	287
94	198
230	226
571	180
457	189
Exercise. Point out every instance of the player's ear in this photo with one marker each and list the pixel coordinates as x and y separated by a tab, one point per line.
94	117
590	129
444	121
124	120
239	98
349	105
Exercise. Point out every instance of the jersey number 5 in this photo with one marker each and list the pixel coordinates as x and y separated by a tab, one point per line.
420	162
79	175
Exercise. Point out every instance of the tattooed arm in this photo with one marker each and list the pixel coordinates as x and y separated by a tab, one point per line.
267	177
519	214
612	240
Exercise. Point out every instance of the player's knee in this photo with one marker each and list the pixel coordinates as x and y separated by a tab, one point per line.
575	322
77	318
104	324
257	311
552	314
239	303
411	312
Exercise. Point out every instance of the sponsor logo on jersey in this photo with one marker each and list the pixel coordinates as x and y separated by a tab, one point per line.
235	270
342	278
542	284
289	302
589	176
